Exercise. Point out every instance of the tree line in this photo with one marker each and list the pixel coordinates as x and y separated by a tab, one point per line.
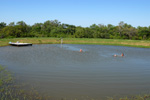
54	28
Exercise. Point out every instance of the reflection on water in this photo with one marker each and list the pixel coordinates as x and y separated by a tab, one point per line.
64	72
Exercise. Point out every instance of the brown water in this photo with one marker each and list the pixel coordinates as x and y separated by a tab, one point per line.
64	72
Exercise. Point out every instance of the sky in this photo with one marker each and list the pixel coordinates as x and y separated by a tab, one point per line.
77	12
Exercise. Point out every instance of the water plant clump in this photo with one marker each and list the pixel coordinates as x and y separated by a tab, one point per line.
133	97
10	91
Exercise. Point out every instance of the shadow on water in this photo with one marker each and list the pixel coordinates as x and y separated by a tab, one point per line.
64	72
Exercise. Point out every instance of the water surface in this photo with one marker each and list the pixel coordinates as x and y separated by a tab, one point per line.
64	72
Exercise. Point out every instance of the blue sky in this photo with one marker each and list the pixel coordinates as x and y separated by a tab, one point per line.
76	12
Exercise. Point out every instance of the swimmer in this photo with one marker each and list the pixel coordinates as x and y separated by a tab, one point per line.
80	50
115	55
119	55
122	54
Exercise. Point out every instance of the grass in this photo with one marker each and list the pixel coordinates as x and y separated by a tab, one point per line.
115	42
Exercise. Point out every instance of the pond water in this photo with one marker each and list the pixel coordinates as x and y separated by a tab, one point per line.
64	72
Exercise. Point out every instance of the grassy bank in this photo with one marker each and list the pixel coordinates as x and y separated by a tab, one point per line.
116	42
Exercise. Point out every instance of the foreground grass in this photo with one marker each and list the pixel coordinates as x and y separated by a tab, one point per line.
135	97
10	91
116	42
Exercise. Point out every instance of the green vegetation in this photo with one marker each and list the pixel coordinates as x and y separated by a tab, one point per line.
96	41
54	28
10	91
136	97
51	31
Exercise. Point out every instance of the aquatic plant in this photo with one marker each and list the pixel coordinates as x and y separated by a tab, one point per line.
9	90
133	97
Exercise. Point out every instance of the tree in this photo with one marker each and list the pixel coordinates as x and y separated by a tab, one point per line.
12	24
143	32
109	27
120	27
88	32
37	27
8	31
21	23
80	32
57	32
69	29
130	32
111	30
2	25
54	28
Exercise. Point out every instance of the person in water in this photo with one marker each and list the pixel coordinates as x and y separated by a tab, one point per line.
119	55
115	55
80	50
